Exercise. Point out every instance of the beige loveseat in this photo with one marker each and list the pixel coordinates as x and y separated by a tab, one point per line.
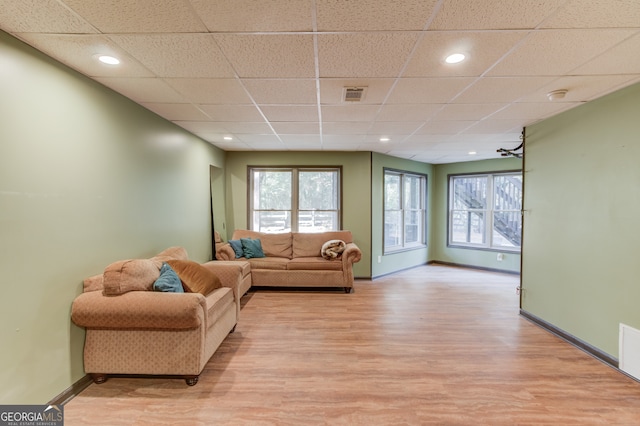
131	329
294	259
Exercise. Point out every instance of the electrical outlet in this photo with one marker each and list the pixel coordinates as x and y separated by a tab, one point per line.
379	259
500	257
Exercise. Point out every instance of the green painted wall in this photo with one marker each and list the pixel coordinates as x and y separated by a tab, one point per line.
470	257
86	178
394	262
582	198
356	191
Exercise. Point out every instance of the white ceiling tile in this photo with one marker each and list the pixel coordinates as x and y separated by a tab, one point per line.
296	127
267	146
254	138
439	127
255	16
246	127
364	54
282	91
495	127
290	112
349	112
203	127
345	128
420	141
467	111
556	52
81	52
301	138
342	140
482	51
389	128
595	14
269	55
186	112
408	112
374	15
493	14
620	59
44	16
501	89
210	90
143	89
140	16
177	55
232	112
428	90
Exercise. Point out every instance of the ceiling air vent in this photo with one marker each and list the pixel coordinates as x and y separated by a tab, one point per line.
353	94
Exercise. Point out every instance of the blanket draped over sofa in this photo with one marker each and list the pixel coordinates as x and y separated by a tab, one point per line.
295	259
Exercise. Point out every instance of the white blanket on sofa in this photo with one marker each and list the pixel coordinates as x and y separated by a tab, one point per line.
333	249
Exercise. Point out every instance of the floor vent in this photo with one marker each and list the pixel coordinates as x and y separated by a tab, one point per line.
630	350
353	94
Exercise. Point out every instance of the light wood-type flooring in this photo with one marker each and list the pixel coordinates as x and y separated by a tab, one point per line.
433	345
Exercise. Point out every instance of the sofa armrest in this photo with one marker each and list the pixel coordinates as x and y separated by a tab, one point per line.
230	276
225	252
139	310
351	254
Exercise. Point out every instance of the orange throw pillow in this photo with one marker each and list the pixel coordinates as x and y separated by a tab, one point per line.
195	277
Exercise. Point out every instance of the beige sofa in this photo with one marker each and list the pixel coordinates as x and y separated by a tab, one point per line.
295	259
131	329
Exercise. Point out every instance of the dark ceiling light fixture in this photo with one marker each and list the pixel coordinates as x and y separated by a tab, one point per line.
504	152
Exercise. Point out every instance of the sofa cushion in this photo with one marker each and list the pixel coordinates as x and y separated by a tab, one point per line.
168	280
175	252
310	245
273	245
251	248
129	275
236	245
274	263
313	263
195	278
93	283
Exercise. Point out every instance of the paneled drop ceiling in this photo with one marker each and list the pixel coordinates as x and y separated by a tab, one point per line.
270	74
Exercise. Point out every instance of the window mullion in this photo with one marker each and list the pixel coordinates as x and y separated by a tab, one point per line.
295	214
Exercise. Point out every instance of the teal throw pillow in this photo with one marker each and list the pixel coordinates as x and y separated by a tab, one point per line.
168	281
252	248
236	245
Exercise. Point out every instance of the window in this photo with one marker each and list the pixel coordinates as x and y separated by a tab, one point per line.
485	211
294	199
404	210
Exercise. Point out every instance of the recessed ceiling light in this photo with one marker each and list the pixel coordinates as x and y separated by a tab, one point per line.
472	153
228	138
109	60
455	58
384	139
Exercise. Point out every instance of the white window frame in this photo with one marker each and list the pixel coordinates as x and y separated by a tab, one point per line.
292	215
488	213
403	211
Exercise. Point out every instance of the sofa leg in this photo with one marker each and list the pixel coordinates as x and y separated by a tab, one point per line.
233	329
98	378
191	380
348	289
